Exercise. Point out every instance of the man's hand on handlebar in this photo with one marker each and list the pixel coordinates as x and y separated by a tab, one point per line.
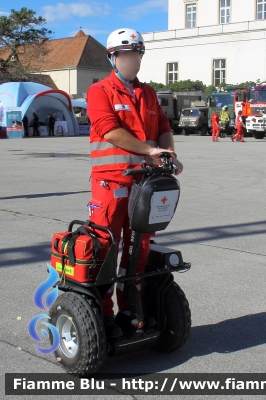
154	154
177	164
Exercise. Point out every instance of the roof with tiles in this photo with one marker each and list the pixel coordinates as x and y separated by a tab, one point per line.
80	51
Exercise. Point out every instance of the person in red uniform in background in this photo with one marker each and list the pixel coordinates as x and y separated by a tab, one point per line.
239	136
128	126
215	126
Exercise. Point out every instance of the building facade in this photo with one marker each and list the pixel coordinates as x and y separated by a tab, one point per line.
213	41
73	63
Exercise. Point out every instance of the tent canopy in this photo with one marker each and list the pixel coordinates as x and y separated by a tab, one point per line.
34	97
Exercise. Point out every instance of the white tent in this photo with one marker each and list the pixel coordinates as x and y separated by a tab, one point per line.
43	100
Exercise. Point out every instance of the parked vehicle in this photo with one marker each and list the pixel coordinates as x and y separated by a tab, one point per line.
195	119
217	101
173	103
252	103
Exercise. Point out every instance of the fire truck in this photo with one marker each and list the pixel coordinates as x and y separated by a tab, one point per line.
252	103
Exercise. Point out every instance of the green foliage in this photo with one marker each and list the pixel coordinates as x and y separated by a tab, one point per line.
157	86
208	89
181	86
20	30
188	85
245	85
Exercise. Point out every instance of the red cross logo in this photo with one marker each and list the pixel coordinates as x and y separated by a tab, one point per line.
133	36
164	199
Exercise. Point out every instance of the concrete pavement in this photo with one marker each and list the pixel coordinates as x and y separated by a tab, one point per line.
219	226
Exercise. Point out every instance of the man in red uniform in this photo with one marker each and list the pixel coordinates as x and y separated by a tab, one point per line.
128	126
239	136
215	126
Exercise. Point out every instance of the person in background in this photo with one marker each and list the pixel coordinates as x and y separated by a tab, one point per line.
225	119
239	125
26	125
35	125
215	126
46	121
51	124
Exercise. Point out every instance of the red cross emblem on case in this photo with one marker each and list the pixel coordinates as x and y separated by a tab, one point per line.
164	199
133	36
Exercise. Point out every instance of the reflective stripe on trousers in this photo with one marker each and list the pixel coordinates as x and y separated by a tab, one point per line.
120	285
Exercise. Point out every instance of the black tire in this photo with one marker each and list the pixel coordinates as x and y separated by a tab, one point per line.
259	135
204	130
185	132
80	319
177	320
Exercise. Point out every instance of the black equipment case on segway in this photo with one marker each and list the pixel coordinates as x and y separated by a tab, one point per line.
161	319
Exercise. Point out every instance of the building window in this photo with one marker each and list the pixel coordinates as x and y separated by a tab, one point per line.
218	72
191	15
172	73
261	9
224	11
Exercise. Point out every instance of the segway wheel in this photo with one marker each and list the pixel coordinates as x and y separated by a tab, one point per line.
177	320
82	337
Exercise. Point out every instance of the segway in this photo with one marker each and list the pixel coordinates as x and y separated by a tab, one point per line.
161	318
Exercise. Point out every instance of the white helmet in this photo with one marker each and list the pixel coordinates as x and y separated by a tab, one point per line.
125	39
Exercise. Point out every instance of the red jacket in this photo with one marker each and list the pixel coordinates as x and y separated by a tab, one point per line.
215	120
239	120
110	106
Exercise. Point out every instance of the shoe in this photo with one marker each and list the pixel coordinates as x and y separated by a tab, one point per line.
217	140
112	330
232	138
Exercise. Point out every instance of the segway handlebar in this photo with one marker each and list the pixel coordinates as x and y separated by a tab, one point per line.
141	171
167	167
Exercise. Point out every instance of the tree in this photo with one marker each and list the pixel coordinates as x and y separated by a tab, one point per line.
181	86
21	32
157	86
186	86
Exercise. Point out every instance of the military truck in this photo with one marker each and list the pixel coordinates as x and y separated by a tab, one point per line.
195	119
218	100
173	102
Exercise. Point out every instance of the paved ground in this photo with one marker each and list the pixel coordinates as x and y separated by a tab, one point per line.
219	225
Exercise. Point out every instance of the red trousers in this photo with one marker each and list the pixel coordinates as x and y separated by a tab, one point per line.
239	136
113	213
215	133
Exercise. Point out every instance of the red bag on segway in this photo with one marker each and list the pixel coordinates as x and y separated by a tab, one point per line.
78	255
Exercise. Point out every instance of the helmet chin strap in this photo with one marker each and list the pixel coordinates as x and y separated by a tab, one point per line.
116	70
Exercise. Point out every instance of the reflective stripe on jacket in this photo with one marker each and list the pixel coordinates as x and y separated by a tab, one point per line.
224	116
110	106
239	120
115	157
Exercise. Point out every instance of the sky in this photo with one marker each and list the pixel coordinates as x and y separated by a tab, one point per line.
95	18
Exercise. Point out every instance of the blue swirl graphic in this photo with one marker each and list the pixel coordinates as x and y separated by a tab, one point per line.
34	335
44	287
